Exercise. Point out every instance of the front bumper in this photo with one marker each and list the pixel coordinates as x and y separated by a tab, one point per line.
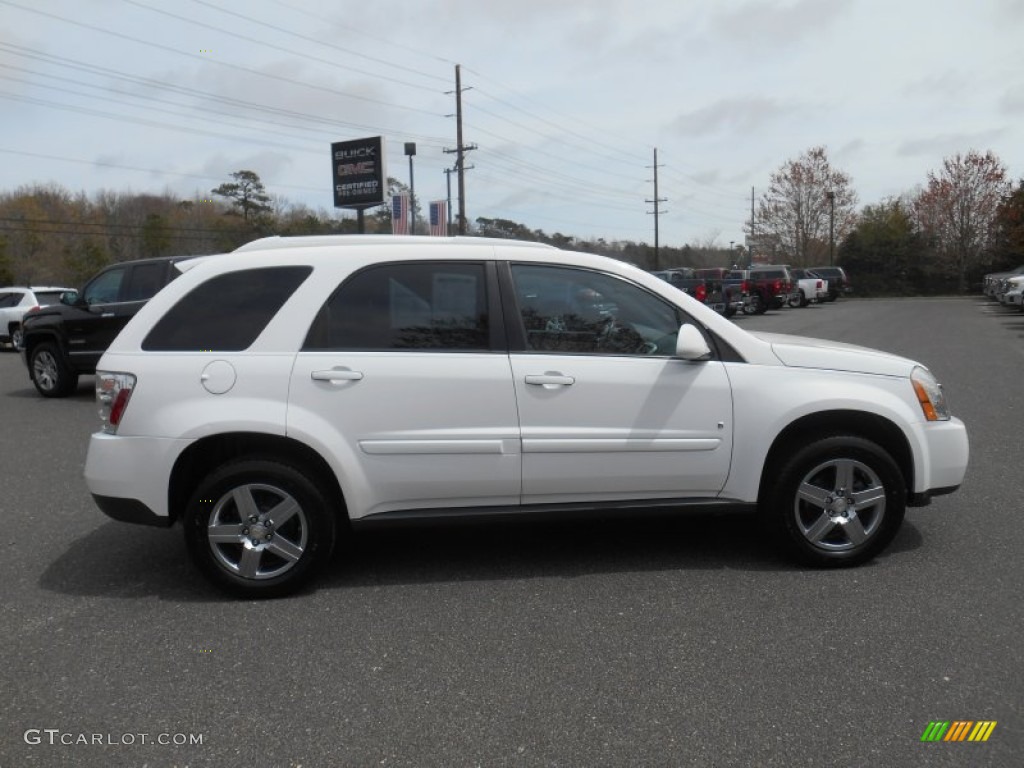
942	463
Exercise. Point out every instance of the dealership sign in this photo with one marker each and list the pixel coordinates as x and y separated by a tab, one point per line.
358	168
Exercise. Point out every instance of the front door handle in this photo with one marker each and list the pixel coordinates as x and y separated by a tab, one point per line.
550	379
337	374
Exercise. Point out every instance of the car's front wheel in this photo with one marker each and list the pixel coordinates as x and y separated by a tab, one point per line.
838	501
259	528
50	374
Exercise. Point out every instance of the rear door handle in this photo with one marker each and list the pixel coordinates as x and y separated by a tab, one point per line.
337	374
550	380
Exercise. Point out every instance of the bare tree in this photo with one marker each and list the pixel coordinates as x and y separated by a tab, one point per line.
807	201
957	209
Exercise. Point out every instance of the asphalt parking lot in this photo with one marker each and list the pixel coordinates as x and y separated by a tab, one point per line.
650	643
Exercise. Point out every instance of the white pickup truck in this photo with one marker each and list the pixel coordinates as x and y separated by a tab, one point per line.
808	288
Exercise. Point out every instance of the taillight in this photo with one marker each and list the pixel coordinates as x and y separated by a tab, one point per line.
778	286
745	287
113	391
818	284
702	293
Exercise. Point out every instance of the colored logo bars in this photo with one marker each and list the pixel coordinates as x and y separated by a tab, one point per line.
958	730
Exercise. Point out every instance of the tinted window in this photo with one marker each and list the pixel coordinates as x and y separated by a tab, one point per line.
9	299
406	306
226	313
145	280
105	287
576	310
48	297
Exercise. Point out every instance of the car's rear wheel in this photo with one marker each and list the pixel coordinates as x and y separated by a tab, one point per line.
50	374
259	527
16	338
838	501
755	306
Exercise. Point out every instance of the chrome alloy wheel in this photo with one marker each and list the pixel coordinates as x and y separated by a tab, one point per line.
257	531
839	505
44	369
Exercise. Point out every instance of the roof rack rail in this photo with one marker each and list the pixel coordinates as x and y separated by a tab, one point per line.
321	241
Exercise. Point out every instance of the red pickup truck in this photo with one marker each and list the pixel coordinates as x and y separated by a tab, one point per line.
769	287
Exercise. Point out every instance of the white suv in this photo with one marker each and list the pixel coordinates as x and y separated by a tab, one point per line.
273	398
16	301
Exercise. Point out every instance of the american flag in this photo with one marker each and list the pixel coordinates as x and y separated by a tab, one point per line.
439	218
400	214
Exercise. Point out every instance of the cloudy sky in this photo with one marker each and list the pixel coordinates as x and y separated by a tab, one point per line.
565	99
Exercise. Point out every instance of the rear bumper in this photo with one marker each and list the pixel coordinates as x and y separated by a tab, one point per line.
130	511
128	476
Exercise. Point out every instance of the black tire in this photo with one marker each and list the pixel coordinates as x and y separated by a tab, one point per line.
17	337
730	311
49	372
804	301
755	306
822	528
257	556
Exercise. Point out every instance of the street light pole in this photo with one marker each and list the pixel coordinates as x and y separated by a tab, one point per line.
410	150
831	228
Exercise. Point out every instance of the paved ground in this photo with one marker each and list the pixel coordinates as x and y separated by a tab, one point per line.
645	644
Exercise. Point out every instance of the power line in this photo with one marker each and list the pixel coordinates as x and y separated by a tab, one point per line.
266	44
207	60
338	48
301	118
155	171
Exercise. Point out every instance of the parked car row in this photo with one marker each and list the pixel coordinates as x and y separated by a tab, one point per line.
1006	287
65	338
759	288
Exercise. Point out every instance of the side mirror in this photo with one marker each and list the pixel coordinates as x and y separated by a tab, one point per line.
690	344
69	298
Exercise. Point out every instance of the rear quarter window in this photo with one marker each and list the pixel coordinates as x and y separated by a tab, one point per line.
227	313
48	297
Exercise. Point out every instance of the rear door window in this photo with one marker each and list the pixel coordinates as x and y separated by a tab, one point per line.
145	280
422	306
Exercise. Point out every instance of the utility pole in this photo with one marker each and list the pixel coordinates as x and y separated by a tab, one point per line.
448	181
750	246
656	212
460	149
831	227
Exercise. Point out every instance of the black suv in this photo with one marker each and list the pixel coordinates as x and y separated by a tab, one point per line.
62	341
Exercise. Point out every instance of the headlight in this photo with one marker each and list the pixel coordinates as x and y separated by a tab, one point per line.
929	395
